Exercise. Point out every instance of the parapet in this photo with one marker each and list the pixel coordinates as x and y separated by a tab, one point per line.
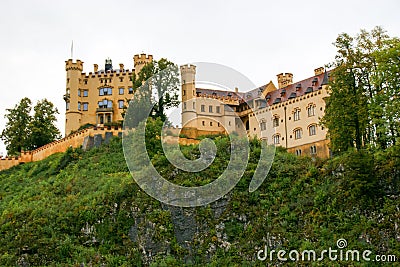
142	59
188	68
284	79
70	65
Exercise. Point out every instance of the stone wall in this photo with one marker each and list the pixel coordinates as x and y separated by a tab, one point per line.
86	138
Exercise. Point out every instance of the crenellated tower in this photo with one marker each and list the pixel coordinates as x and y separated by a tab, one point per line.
139	61
284	79
73	115
188	93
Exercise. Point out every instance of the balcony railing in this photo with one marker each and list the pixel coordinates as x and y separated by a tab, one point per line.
104	110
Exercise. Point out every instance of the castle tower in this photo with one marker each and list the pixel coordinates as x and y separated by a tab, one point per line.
139	61
284	79
188	93
73	115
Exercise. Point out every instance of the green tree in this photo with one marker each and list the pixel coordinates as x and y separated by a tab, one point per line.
16	133
43	130
26	132
362	110
159	81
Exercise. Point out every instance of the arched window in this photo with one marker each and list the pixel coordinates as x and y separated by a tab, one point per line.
263	125
311	110
296	114
275	121
312	129
277	138
297	133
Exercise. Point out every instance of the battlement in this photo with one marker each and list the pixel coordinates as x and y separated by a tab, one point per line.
319	71
188	68
70	65
96	134
142	59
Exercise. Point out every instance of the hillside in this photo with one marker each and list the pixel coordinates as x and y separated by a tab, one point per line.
84	209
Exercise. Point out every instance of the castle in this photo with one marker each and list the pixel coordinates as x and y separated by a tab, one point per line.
98	98
287	115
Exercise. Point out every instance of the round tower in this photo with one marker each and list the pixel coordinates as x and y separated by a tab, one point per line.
188	93
73	115
139	61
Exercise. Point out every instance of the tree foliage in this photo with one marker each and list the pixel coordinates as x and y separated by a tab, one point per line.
363	107
24	131
157	84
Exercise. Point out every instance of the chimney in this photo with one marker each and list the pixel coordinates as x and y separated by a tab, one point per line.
96	67
319	71
121	66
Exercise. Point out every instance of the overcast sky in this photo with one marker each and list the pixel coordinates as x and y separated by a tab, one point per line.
257	38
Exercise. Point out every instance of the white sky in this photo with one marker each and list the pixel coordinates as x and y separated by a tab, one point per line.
257	38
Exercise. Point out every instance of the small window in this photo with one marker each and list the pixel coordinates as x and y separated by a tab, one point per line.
184	105
79	105
211	123
85	106
194	105
298	152
184	92
313	150
296	114
263	125
203	108
210	109
85	93
79	92
130	90
203	123
67	106
277	139
85	81
218	109
311	110
312	130
120	103
297	134
275	122
121	91
121	79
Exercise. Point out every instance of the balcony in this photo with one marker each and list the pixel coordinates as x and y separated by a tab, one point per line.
99	110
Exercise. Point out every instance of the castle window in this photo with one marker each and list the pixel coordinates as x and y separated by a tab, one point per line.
121	90
79	92
211	123
105	91
218	124
194	105
311	110
297	133
298	152
184	92
85	81
184	105
130	90
277	139
296	114
67	105
121	79
203	108
101	119
204	123
120	103
85	106
85	93
108	118
105	104
79	105
263	125
229	123
210	109
312	130
275	121
218	109
313	150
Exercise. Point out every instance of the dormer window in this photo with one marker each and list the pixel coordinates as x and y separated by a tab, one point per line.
283	92
277	100
315	81
292	95
298	86
309	90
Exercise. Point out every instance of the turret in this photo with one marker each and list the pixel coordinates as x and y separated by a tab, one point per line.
188	77
72	115
108	65
139	61
284	79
